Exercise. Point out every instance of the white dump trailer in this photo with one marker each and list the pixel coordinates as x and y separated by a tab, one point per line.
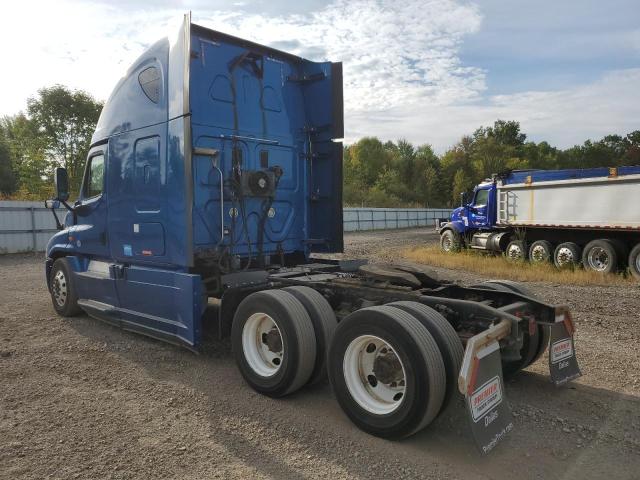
611	202
588	217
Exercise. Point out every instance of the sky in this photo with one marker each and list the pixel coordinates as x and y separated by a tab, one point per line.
429	71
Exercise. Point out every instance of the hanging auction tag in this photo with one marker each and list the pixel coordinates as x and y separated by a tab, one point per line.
489	412
563	365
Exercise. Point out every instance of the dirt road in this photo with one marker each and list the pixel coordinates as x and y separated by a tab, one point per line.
81	399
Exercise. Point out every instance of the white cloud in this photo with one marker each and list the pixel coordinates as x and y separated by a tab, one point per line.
394	53
403	75
563	118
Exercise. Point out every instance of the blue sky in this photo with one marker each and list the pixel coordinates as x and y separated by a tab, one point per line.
428	70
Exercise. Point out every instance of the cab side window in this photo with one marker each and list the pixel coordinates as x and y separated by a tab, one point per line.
94	180
481	198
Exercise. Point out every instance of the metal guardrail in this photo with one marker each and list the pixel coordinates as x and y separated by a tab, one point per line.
27	226
359	219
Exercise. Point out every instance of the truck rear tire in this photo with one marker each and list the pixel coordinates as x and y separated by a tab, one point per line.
541	252
324	325
386	372
63	290
567	255
600	256
634	261
445	336
273	342
516	251
450	241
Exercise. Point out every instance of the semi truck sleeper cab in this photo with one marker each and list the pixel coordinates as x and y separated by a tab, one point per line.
215	171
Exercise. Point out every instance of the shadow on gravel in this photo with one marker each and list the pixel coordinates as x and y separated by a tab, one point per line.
571	431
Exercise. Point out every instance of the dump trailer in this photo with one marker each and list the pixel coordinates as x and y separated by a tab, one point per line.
585	217
214	174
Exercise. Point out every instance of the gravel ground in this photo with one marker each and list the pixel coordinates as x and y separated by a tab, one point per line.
81	399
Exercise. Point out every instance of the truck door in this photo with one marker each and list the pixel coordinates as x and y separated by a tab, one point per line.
478	209
89	235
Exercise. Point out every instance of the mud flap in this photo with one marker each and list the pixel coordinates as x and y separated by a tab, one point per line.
563	365
489	412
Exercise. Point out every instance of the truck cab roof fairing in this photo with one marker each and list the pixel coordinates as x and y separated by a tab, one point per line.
130	107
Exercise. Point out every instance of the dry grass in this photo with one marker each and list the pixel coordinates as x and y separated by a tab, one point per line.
499	267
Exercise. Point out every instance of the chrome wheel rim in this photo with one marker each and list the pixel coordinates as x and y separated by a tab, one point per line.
262	344
59	288
514	252
539	254
374	375
447	244
598	259
564	257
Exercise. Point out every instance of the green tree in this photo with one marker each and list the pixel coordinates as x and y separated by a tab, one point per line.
66	119
369	159
29	157
8	183
461	184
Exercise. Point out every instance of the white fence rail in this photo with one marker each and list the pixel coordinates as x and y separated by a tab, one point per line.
27	226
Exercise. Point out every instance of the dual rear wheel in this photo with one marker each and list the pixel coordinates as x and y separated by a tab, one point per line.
393	368
280	337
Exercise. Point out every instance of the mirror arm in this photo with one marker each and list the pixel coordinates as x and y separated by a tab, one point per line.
72	210
55	216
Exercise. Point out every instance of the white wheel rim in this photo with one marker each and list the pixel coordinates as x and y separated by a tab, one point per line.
378	392
446	243
262	344
538	253
565	256
59	288
598	259
515	252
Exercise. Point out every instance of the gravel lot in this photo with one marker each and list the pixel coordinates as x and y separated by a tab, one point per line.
81	399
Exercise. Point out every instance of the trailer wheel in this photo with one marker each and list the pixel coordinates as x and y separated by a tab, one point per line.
450	241
634	261
386	371
567	255
516	251
273	342
540	252
600	256
445	336
533	346
63	291
324	325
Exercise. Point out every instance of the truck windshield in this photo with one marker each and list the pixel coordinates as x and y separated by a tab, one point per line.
481	197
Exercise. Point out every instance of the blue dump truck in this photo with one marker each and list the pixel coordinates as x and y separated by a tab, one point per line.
587	217
213	176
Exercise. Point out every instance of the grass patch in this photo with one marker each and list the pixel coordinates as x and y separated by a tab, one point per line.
497	266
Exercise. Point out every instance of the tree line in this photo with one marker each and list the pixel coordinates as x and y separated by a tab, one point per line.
57	127
55	131
394	174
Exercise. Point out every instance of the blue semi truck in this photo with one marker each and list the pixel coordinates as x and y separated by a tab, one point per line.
579	217
214	174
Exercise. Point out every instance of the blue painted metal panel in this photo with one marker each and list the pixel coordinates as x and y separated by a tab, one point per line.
567	174
252	104
162	302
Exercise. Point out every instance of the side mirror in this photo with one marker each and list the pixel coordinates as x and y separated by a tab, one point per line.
463	199
61	181
51	204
